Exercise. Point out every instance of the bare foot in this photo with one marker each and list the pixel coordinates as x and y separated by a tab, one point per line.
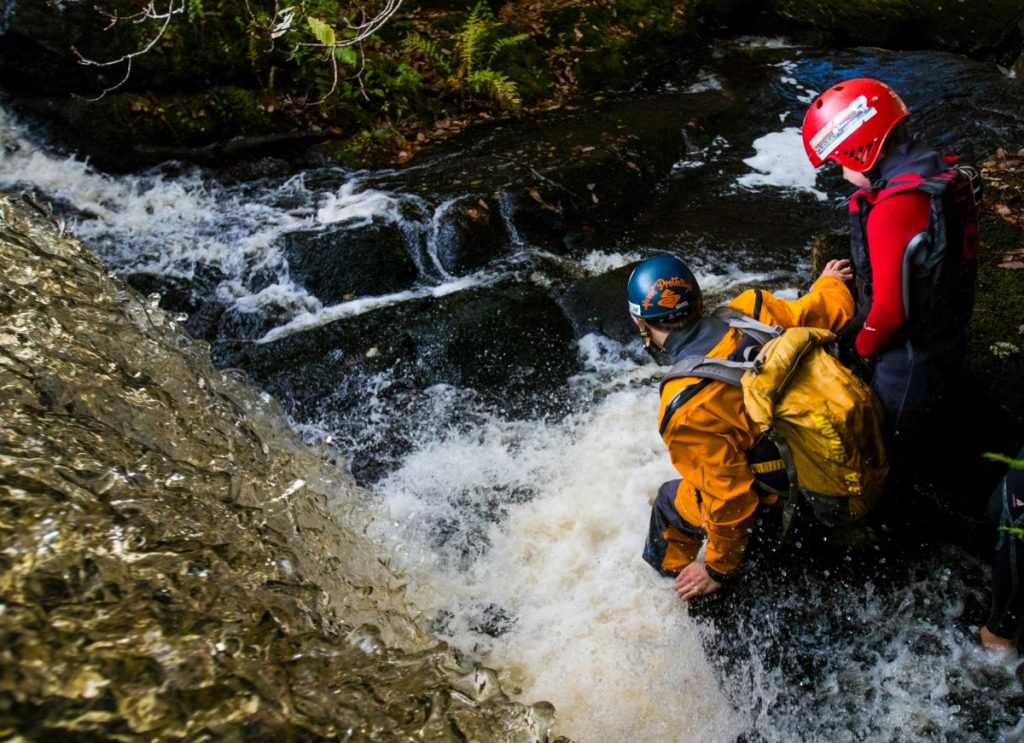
999	644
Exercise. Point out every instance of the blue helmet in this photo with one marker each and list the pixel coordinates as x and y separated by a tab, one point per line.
662	287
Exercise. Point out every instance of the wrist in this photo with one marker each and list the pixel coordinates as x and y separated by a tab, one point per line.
715	575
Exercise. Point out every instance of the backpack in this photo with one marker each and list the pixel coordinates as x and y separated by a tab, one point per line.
940	264
826	425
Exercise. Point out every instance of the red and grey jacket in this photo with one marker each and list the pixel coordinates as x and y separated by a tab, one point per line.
914	239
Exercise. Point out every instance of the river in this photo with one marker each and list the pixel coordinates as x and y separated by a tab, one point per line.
516	524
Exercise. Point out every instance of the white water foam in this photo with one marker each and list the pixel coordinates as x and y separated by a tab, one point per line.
178	226
598	262
581	621
358	207
322	316
780	162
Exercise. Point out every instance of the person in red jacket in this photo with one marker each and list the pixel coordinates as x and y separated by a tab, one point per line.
913	237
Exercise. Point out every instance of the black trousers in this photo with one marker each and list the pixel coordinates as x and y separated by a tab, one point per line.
1006	511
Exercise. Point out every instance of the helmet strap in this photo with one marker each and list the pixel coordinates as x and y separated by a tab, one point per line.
645	334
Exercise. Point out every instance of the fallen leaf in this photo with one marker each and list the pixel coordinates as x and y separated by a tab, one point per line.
1014	259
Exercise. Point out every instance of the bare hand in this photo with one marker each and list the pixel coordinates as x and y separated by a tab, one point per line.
1000	645
839	269
693	580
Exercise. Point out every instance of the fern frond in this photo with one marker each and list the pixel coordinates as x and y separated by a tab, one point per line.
1015	464
504	43
1013	531
471	43
430	50
481	12
498	87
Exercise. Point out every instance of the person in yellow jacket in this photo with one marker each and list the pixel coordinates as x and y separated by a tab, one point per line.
703	422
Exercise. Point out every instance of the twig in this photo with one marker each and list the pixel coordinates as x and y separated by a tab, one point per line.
149	13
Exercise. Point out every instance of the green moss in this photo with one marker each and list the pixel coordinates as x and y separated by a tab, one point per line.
996	342
369	148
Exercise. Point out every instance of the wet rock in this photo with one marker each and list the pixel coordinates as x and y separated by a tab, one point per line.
510	344
597	304
233	323
977	29
177	293
471	233
203	323
555	177
341	263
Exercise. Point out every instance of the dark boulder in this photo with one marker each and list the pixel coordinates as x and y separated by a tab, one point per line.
597	304
470	233
340	263
178	293
510	344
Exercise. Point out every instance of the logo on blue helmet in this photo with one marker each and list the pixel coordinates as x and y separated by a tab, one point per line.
660	287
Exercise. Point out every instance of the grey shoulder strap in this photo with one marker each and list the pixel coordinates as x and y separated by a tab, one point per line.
759	331
709	367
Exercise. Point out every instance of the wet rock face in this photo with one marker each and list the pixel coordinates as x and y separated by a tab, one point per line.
337	265
511	344
979	29
597	304
172	567
471	233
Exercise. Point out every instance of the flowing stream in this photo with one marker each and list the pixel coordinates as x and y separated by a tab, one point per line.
518	535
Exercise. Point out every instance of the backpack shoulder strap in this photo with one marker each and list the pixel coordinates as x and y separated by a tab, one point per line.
755	329
710	368
678	401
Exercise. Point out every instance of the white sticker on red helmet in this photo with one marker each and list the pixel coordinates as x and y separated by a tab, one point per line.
843	124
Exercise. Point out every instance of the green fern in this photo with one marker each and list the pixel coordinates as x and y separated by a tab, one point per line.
430	50
471	42
1013	531
497	86
504	43
475	48
1016	464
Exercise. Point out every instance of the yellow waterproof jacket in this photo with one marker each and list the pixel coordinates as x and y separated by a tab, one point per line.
709	435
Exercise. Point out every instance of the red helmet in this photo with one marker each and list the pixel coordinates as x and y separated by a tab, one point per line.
849	122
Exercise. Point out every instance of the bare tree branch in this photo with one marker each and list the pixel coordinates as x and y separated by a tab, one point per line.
363	31
282	23
148	13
